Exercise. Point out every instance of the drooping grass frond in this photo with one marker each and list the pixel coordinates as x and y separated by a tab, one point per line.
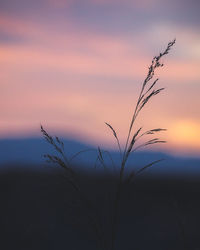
71	178
56	143
115	135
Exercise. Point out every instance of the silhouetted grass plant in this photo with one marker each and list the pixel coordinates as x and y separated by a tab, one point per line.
148	91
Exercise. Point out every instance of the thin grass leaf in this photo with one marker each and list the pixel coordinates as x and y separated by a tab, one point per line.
130	177
148	166
100	158
95	163
100	154
109	155
80	152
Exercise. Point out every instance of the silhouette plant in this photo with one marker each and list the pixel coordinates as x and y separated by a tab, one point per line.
148	91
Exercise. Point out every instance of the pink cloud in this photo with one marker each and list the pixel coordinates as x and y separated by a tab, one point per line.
30	96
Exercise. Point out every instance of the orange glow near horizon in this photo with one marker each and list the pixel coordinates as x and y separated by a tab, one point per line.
72	67
185	135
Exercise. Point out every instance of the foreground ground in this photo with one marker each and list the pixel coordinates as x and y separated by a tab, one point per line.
39	210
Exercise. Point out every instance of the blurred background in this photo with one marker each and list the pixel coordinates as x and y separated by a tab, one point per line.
72	65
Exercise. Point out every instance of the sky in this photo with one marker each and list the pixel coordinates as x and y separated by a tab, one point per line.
72	65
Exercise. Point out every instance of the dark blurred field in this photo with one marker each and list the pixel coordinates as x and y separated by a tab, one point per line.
39	210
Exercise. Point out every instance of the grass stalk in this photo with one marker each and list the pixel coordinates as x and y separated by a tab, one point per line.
145	95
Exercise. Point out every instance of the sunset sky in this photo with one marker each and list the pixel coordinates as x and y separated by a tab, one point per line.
72	65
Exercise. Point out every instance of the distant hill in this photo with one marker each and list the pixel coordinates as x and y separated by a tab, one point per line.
29	151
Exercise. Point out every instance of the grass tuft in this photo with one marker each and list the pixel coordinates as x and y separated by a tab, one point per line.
147	92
